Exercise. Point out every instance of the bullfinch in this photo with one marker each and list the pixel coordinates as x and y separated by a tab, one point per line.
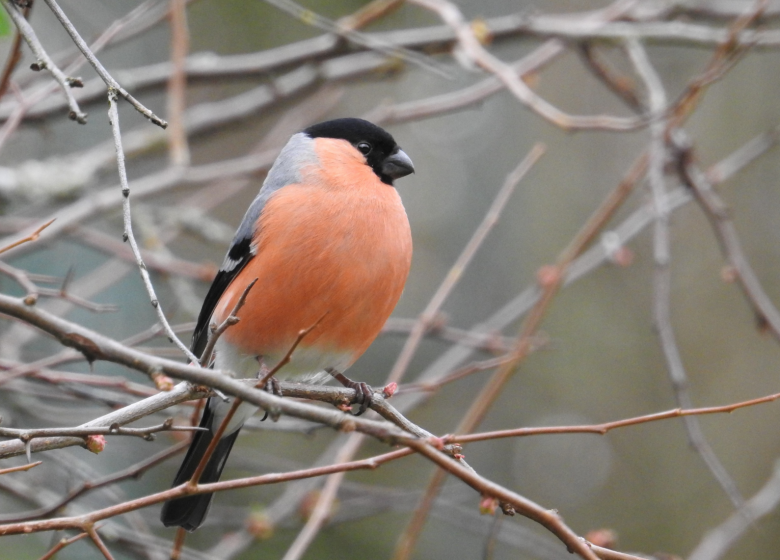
328	245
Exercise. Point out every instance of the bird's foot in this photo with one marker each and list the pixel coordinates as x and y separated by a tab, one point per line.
364	394
273	387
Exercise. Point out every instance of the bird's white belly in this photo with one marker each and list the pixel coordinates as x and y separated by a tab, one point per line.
307	365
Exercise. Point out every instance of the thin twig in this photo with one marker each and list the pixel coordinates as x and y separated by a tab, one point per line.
62	543
178	543
457	374
34	291
718	215
621	86
720	539
29	238
439	330
101	546
156	403
46	63
374	42
723	59
26	435
662	306
177	83
23	279
461	264
113	117
548	518
606	427
132	505
376	9
112	84
133	471
20	468
303	333
477	54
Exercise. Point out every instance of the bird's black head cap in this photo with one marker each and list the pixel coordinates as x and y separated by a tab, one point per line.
375	143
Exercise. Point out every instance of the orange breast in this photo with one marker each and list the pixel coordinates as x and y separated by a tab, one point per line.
339	256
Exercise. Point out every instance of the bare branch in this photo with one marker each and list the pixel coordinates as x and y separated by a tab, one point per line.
46	63
112	84
375	43
26	435
181	393
20	468
717	212
134	472
177	83
29	238
62	543
113	116
477	54
605	427
93	534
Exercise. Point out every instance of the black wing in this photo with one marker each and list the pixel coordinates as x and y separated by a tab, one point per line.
221	281
240	253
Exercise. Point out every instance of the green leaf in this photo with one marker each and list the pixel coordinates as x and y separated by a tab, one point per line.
5	24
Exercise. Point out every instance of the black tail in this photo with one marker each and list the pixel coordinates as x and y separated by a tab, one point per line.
190	511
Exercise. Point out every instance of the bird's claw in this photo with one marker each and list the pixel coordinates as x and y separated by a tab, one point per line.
364	394
273	387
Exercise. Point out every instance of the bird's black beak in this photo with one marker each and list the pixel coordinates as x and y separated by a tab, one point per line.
397	165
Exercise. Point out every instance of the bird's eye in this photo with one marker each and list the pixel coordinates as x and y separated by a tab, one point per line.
364	147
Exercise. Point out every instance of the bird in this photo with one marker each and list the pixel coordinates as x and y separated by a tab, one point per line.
326	245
